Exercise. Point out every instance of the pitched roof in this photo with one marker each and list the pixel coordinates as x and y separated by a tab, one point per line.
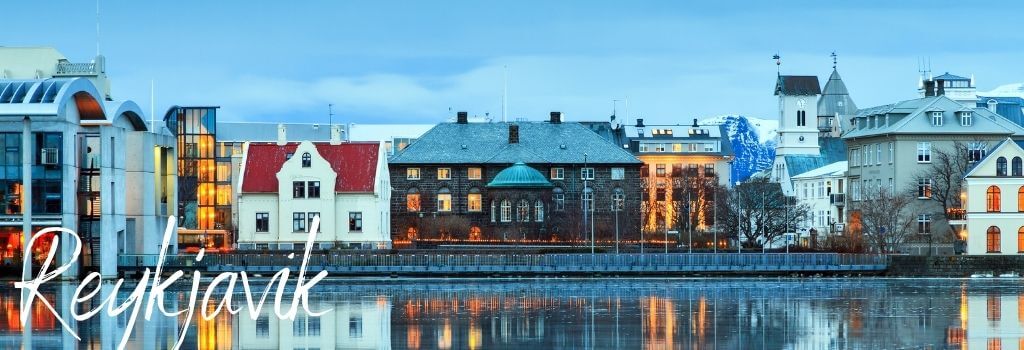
487	143
911	117
797	85
832	150
834	169
947	76
354	162
835	99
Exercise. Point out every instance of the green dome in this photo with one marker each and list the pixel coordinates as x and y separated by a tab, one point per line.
520	175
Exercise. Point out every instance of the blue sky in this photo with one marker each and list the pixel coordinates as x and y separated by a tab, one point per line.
391	61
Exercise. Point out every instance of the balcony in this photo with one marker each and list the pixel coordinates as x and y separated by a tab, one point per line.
956	216
837	199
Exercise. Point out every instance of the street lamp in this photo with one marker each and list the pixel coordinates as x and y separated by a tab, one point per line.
586	207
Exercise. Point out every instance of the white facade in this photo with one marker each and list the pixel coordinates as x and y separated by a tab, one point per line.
797	136
995	210
350	219
823	190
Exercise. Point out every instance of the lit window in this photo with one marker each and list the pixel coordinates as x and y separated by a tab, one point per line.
992	199
557	173
1020	244
618	173
355	221
412	200
444	200
412	174
444	173
475	173
992	243
924	188
307	160
660	170
924	152
1020	199
474	201
587	173
677	147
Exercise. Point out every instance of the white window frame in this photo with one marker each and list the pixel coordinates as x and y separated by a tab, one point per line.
924	152
587	173
924	186
444	202
474	173
618	173
878	154
444	173
558	173
479	203
936	118
892	152
966	118
412	173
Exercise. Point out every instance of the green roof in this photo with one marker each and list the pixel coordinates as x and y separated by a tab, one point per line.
519	175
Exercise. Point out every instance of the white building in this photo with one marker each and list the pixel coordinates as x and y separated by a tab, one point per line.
285	185
824	191
995	202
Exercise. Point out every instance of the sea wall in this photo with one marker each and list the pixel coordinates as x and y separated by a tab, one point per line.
953	265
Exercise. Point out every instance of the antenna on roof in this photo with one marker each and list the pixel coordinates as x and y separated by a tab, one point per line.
778	63
97	27
504	96
330	114
152	105
835	59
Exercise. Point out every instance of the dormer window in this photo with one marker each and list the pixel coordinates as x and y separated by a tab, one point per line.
965	118
307	160
936	118
992	103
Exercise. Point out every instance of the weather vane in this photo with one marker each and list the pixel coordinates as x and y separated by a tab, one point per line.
778	63
834	59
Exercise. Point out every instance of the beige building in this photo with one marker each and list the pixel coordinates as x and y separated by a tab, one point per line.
285	185
995	202
892	146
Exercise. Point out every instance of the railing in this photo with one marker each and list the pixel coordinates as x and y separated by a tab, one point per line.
522	262
50	156
837	199
68	68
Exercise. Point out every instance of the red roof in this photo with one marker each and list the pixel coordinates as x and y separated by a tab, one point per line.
354	162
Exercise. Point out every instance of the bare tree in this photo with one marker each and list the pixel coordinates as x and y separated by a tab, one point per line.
765	212
886	219
946	171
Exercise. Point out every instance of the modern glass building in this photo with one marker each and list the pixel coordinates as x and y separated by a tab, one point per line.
204	183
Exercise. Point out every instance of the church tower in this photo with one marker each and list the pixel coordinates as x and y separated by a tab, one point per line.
835	105
798	115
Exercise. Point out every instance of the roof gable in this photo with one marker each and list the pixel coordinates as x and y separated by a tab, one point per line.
914	117
1007	149
355	164
797	85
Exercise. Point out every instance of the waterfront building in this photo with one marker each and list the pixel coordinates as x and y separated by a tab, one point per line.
892	146
682	167
204	184
994	191
809	123
823	190
285	185
94	164
550	180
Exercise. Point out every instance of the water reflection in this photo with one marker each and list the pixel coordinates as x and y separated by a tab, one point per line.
578	314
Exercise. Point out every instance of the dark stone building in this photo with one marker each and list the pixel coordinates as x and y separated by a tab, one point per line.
514	181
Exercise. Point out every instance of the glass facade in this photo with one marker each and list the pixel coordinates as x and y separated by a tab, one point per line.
202	174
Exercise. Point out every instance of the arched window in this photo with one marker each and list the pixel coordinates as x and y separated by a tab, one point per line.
1018	168
523	212
411	233
412	199
538	209
474	201
618	199
1001	166
1020	199
444	199
307	160
1020	240
474	233
506	211
558	198
992	240
992	199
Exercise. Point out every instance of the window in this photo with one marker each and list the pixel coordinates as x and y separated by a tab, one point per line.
878	154
618	199
618	173
475	173
313	189
709	147
965	118
1001	166
298	222
976	151
307	160
587	173
588	199
474	202
355	327
1016	170
867	154
659	170
355	221
1020	199
523	211
709	170
993	313
992	240
992	199
412	174
691	169
538	211
891	152
855	157
936	118
924	152
494	212
444	199
924	224
557	173
262	222
801	118
855	190
924	188
660	147
558	197
506	211
677	147
645	147
263	327
444	173
412	200
298	189
1020	243
309	221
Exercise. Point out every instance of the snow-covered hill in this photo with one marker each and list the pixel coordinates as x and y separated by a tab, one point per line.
753	141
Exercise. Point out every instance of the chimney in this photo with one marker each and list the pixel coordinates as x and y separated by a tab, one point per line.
929	88
556	117
695	122
282	135
639	122
513	133
336	134
462	118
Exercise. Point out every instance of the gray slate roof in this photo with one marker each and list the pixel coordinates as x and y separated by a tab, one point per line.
912	117
797	85
835	99
487	143
947	76
833	150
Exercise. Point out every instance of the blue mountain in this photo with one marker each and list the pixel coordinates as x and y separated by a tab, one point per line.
753	142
